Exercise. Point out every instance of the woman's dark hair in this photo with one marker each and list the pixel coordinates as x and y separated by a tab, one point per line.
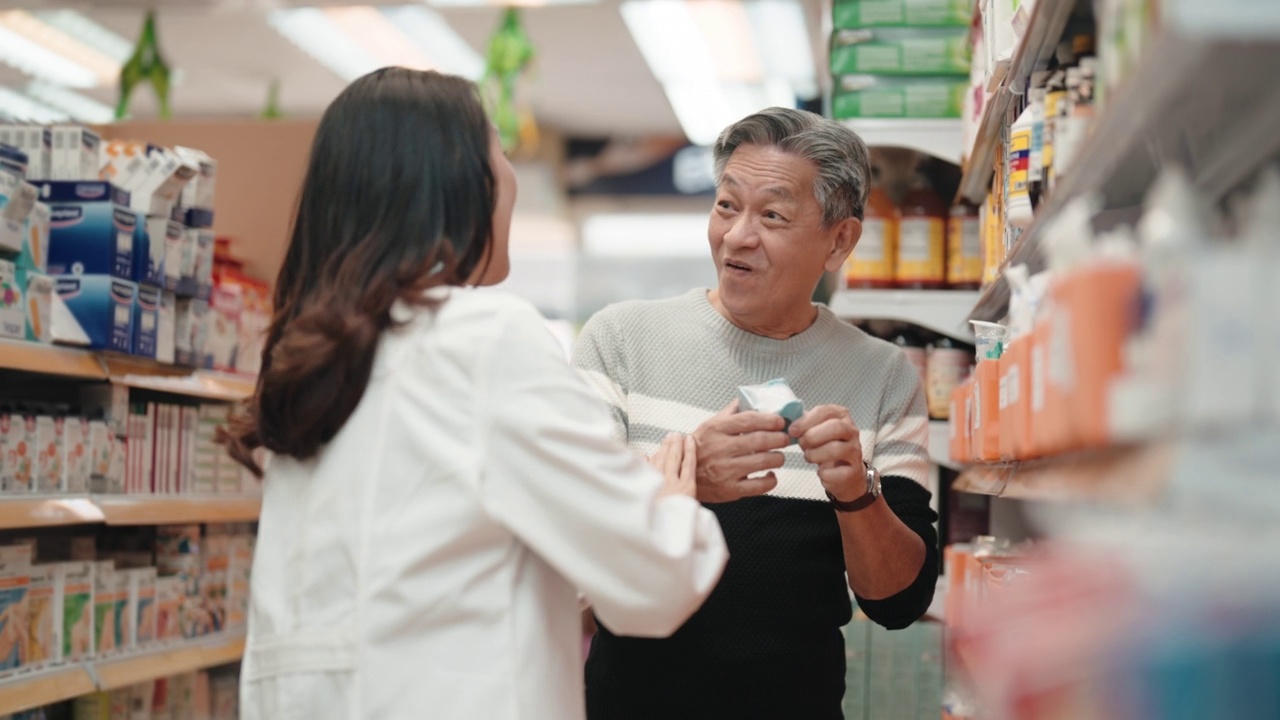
398	198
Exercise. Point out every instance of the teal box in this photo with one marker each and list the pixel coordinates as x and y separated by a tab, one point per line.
100	309
146	320
91	229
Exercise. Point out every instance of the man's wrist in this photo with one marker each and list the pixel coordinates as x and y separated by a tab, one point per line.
852	501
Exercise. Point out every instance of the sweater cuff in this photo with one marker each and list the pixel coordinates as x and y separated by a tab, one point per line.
910	502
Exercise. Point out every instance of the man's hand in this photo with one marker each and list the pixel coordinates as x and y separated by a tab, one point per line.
733	445
829	439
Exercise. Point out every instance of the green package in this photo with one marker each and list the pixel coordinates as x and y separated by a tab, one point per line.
75	594
902	13
898	51
865	96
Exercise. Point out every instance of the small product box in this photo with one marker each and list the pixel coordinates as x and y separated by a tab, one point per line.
99	312
45	632
191	333
166	175
142	594
17	200
18	436
197	196
874	96
49	454
148	258
106	591
1012	376
15	584
35	247
91	229
202	273
74	605
900	51
75	153
166	328
986	411
39	290
225	307
101	442
146	321
902	13
208	452
76	463
187	258
170	591
13	319
190	439
124	163
175	240
34	141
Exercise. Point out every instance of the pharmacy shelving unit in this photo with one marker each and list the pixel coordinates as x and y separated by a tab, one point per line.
46	687
941	311
941	138
39	688
1169	111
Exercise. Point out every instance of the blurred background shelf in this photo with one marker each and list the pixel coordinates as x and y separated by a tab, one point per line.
50	360
940	444
942	311
114	674
47	512
153	510
1124	476
939	138
43	688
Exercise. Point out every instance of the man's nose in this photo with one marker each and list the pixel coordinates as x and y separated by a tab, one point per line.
742	233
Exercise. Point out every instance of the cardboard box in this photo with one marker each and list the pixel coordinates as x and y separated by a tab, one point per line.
1013	398
191	333
224	333
17	200
902	13
77	459
35	246
75	153
99	311
13	320
15	584
190	439
202	272
34	141
159	190
45	633
39	292
148	256
91	229
18	438
175	241
146	321
141	618
900	51
869	96
49	454
101	448
986	411
166	328
74	605
170	591
106	594
188	258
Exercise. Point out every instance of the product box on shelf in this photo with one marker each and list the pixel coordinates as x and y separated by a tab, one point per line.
190	438
149	250
101	447
1014	384
108	637
166	328
900	51
869	96
74	607
146	321
34	254
13	320
198	195
108	403
170	591
76	462
15	584
17	439
238	575
213	582
91	229
158	191
26	303
124	162
174	235
986	411
225	306
75	153
99	311
191	333
34	141
961	422
142	605
188	258
202	272
45	633
207	451
902	13
49	454
17	200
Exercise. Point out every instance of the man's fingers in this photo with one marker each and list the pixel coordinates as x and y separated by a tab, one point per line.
831	453
816	417
728	410
745	422
740	467
751	487
835	430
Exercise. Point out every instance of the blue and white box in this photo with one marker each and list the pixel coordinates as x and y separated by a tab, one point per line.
148	252
203	270
175	242
99	311
166	328
146	321
91	229
17	200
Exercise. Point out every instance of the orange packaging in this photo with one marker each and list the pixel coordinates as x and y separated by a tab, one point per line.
874	260
960	421
1022	421
1013	395
1053	381
986	411
1095	311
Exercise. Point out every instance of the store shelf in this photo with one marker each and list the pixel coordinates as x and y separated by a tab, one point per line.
43	688
940	444
942	311
1044	30
158	510
940	138
50	360
1123	476
206	386
47	512
1168	113
114	674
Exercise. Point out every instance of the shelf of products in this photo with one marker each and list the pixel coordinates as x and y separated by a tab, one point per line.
1125	476
142	510
1044	30
44	688
48	512
113	674
206	386
940	138
942	311
50	360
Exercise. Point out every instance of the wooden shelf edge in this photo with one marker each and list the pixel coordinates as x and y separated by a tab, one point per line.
16	513
123	672
25	692
56	360
159	510
1131	476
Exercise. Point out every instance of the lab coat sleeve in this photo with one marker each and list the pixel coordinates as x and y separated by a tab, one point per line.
555	475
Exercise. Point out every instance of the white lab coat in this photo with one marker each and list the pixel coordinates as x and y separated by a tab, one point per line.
426	564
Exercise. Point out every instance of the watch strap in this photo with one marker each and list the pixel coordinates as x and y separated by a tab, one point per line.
863	501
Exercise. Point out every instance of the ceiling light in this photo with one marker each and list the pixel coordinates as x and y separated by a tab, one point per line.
372	30
645	235
79	107
783	37
316	35
437	40
727	32
88	32
20	107
508	3
670	40
38	61
107	69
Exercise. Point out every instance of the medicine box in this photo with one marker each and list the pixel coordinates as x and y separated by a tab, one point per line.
202	272
166	328
49	454
91	229
895	51
12	307
17	440
36	142
146	321
150	266
869	96
26	299
187	257
13	161
174	235
17	200
106	591
77	464
45	638
99	311
73	599
75	154
191	333
902	13
15	582
34	254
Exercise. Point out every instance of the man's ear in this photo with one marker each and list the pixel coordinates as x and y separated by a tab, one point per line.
846	236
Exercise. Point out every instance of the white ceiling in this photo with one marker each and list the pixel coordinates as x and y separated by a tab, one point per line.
589	77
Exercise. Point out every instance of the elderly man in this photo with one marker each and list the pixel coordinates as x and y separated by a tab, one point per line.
842	508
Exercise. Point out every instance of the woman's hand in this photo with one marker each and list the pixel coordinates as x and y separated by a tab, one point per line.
677	460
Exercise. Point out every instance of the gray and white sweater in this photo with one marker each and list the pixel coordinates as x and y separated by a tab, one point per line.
667	366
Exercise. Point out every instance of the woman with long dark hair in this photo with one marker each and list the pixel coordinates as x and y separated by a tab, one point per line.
440	485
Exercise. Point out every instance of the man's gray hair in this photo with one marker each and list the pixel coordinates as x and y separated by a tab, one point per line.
840	156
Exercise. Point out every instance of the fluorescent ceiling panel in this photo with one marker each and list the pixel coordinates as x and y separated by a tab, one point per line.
783	37
726	29
429	31
36	60
88	32
316	35
69	47
670	40
78	106
17	106
645	235
378	36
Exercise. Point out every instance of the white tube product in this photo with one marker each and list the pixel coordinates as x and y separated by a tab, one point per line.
1018	171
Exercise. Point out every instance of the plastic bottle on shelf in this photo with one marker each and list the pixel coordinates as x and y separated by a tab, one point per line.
873	260
1036	102
922	237
948	364
913	347
1019	159
964	248
1055	95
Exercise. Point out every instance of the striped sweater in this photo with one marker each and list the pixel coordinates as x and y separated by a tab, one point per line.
766	644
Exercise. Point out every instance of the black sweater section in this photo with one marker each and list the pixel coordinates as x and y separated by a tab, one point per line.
769	634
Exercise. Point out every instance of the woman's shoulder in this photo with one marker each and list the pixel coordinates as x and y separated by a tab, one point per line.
473	319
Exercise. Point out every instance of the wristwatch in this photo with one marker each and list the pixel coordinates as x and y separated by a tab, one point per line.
866	499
